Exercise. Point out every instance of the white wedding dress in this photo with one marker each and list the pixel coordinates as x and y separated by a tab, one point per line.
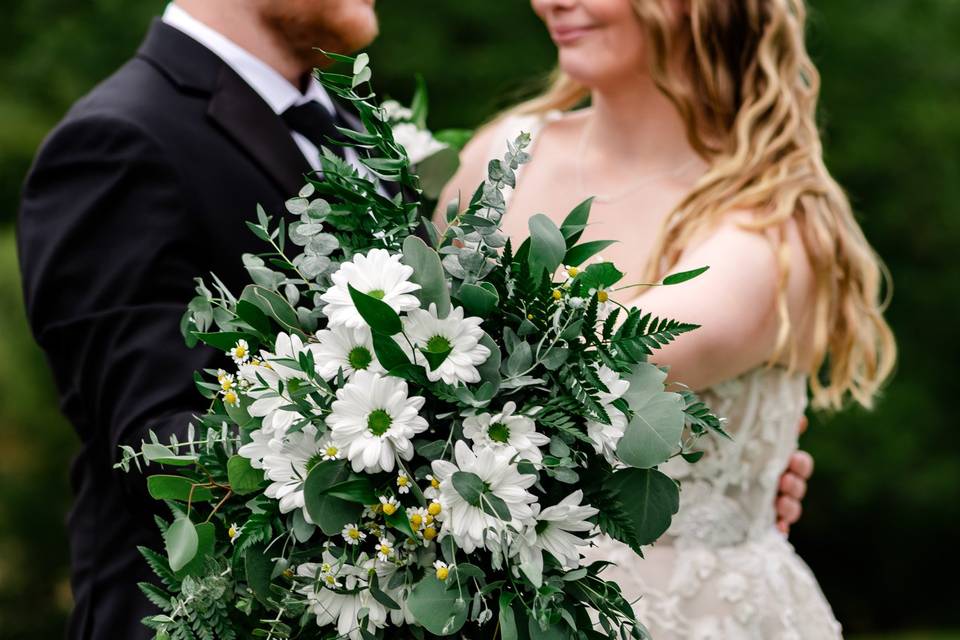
723	571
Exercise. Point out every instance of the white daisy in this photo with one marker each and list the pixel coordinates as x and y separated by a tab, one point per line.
418	518
240	352
419	144
506	430
469	524
455	332
552	531
328	450
389	505
352	534
266	381
288	466
403	482
341	607
376	274
262	444
341	347
385	549
606	436
373	420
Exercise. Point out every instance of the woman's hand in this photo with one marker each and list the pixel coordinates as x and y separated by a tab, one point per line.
793	486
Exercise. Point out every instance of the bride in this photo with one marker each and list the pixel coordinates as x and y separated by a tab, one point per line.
701	147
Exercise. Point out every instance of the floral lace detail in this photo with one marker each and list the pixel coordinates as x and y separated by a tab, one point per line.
723	571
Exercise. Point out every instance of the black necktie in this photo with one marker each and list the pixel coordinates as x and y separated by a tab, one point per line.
316	124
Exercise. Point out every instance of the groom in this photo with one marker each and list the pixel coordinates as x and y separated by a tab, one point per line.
143	186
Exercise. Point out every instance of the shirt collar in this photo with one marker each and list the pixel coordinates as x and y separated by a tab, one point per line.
275	90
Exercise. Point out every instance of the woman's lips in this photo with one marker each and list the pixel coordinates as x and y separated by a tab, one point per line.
568	35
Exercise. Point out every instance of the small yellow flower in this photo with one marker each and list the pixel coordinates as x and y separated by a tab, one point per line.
602	296
434	482
443	571
240	352
429	533
572	272
389	505
434	508
557	294
231	398
288	573
233	531
403	482
529	316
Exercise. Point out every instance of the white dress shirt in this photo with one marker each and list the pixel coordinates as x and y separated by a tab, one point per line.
275	90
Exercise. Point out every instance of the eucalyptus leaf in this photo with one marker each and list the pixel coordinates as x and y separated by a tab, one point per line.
179	488
649	498
655	431
243	478
428	273
440	610
547	245
328	512
478	300
181	542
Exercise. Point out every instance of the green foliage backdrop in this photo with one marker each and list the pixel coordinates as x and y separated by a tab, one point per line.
885	500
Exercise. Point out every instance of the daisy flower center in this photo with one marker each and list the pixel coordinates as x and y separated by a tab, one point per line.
378	422
376	293
359	358
499	432
438	344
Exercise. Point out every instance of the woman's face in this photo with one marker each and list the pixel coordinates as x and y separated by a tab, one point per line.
598	41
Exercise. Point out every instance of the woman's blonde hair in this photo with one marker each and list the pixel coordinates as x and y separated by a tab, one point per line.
739	74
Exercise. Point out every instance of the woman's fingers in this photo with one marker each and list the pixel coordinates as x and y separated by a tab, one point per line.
788	509
801	464
793	486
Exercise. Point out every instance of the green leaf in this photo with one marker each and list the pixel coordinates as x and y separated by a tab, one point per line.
378	314
258	568
328	512
547	245
165	487
478	300
206	541
358	489
162	454
428	273
654	432
469	486
649	498
495	506
582	252
388	352
252	315
401	522
181	542
600	276
508	622
243	478
440	610
226	340
378	593
490	369
273	305
436	358
683	276
575	222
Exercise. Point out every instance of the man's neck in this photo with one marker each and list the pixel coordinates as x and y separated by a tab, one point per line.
239	23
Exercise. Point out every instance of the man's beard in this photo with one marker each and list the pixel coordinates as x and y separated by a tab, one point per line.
304	34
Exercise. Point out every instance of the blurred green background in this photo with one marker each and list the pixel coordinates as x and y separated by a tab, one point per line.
880	528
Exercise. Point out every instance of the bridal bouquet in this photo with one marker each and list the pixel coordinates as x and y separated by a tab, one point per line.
416	436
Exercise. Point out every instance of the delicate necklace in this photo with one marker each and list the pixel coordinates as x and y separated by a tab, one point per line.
645	180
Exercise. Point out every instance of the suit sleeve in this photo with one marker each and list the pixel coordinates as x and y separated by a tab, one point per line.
108	256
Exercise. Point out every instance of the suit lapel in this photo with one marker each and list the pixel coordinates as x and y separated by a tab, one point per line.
253	125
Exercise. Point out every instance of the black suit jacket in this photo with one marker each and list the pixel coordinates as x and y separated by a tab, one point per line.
142	187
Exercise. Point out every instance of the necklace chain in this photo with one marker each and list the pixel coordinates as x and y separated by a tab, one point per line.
645	180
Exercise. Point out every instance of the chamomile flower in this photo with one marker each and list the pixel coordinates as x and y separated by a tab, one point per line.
240	352
442	570
231	398
432	491
385	549
418	517
376	273
352	534
328	450
470	524
389	505
606	437
226	380
341	347
288	466
506	430
234	532
403	482
373	421
342	607
456	334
